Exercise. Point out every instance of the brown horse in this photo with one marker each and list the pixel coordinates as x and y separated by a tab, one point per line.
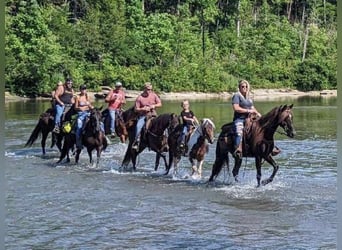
120	126
152	137
197	145
258	142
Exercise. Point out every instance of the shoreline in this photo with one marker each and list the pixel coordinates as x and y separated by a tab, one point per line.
257	94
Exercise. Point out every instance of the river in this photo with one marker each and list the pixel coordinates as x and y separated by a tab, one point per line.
68	206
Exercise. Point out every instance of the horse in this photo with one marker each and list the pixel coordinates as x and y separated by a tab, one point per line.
120	126
44	126
258	142
197	145
92	137
152	137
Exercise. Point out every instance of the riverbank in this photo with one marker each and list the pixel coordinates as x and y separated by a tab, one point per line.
257	94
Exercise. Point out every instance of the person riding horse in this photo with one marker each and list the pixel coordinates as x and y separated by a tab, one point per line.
82	106
145	104
189	120
242	106
115	99
64	98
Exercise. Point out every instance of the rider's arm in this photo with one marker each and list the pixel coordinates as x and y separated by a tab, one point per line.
109	96
239	109
59	91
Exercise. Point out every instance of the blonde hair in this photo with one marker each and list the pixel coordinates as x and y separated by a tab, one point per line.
241	82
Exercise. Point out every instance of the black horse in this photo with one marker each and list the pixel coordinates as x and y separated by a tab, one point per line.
152	137
44	126
93	136
197	145
258	142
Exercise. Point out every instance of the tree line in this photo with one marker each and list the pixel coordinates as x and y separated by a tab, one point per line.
178	45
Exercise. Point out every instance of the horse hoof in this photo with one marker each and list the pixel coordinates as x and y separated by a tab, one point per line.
265	182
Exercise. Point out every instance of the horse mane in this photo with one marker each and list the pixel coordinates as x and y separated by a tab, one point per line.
204	120
268	119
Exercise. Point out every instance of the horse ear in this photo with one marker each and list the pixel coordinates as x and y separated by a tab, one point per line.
283	108
291	106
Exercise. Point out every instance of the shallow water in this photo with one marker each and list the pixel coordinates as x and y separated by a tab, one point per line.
67	206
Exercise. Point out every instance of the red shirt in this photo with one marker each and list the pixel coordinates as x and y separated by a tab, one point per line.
116	99
150	99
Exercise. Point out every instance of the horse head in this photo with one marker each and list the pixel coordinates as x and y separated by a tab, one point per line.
95	119
286	120
208	129
174	122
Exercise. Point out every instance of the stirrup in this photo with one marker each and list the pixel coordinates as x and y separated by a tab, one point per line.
237	154
56	130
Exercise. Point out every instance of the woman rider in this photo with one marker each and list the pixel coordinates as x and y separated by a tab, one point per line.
242	106
82	106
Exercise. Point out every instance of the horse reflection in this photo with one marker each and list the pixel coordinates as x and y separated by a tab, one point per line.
258	142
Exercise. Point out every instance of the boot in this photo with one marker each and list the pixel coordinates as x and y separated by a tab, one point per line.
238	151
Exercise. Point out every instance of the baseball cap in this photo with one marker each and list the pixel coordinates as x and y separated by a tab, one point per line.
148	85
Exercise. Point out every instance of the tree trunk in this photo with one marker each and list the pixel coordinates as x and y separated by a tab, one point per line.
306	38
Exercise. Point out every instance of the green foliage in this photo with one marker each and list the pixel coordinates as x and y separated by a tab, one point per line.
191	45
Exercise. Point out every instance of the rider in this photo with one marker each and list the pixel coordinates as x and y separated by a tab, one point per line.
242	106
115	99
145	104
189	120
64	97
82	106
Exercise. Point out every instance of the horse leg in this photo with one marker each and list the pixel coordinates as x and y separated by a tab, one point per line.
258	168
270	160
77	156
237	165
43	141
170	163
89	150
175	166
200	168
156	163
193	166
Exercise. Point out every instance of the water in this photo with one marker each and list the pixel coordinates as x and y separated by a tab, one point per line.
67	206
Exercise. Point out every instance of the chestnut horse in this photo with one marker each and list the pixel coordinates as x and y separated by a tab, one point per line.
120	126
152	137
197	145
258	142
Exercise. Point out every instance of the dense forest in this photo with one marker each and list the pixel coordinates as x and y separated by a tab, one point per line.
178	45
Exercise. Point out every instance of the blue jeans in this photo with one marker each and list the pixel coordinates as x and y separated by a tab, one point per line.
59	113
238	129
140	124
112	113
184	132
81	117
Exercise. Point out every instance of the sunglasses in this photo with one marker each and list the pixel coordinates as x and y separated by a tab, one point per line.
244	87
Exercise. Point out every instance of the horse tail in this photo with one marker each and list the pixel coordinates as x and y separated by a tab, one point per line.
34	135
220	160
